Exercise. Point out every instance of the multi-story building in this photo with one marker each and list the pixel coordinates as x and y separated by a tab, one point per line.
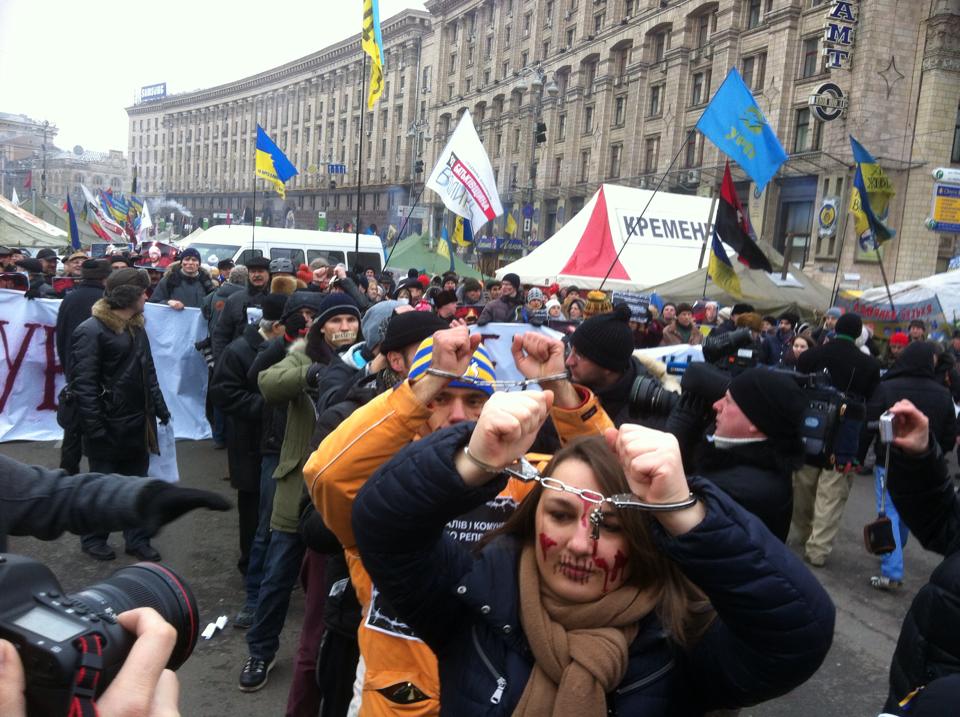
66	171
198	148
24	143
617	87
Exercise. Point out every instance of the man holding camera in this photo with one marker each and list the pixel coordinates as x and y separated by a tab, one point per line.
821	494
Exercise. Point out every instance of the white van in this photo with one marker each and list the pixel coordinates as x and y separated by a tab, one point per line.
301	246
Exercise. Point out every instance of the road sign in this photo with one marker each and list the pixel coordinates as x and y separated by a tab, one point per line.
405	210
527	211
526	225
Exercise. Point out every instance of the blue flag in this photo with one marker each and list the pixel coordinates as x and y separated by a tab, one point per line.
444	247
870	199
271	163
74	230
734	123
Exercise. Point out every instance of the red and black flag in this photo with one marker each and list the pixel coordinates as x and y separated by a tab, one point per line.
733	227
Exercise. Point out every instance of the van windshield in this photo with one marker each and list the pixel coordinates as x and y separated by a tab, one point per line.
212	253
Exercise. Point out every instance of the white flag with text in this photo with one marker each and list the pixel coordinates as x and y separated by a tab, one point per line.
464	178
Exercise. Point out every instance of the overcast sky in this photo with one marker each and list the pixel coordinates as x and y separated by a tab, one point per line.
79	64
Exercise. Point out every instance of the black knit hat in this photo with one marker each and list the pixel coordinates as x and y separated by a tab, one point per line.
443	298
273	306
512	279
792	318
410	328
772	401
334	305
606	339
95	269
741	309
850	325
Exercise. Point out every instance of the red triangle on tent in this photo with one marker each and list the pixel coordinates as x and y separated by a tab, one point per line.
595	252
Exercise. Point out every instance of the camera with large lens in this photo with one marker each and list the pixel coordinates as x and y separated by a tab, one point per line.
733	351
72	645
648	397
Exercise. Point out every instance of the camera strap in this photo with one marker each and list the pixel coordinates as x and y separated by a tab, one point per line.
87	677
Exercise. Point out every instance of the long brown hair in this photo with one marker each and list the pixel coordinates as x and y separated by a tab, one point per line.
683	609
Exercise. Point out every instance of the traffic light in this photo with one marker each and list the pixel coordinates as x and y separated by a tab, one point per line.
418	167
541	135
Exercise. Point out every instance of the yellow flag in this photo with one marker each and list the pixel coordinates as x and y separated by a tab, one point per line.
372	43
511	225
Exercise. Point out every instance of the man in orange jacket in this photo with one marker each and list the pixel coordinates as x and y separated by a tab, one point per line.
401	671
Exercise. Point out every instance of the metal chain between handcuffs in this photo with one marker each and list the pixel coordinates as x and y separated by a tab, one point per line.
525	471
483	382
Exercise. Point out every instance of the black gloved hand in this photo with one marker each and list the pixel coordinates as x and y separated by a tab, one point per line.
295	327
313	374
160	503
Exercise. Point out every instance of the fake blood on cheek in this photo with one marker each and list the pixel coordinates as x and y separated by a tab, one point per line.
546	542
610	574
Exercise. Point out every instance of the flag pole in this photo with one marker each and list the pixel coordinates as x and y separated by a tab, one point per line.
843	240
356	226
886	283
404	226
253	233
709	238
691	133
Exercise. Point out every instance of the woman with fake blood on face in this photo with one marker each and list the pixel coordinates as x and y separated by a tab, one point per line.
544	619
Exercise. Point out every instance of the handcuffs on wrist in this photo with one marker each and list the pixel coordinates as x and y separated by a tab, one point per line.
481	382
525	471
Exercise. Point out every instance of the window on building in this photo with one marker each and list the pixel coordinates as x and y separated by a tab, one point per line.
545	50
513	176
619	110
955	154
655	107
504	69
524	58
659	41
598	20
588	119
700	90
488	47
651	154
702	28
557	169
616	152
453	64
585	165
754	13
810	57
807	138
753	70
693	152
506	37
562	127
516	139
571	33
527	19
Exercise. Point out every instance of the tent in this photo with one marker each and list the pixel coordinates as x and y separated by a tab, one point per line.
768	293
413	253
18	227
663	244
49	211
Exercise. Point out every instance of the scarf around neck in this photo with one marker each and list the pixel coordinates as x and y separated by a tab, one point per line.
581	650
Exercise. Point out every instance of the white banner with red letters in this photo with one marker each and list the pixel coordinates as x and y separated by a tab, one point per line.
31	374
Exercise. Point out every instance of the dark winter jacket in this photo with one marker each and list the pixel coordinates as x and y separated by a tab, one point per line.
912	377
774	621
758	476
189	290
502	310
74	310
232	393
214	302
851	370
929	642
115	383
233	318
273	420
775	347
40	288
44	503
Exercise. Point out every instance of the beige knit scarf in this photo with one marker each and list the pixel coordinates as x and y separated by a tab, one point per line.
581	650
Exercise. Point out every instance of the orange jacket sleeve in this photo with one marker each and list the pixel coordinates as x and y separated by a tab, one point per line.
347	457
587	419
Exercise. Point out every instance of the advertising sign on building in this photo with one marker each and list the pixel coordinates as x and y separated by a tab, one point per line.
945	209
152	93
827	216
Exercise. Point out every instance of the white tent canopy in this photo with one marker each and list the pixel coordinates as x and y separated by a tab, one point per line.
945	286
663	244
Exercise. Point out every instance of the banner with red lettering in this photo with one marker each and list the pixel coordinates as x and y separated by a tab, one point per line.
886	321
31	375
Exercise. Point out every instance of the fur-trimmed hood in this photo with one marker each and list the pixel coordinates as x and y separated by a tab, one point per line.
114	321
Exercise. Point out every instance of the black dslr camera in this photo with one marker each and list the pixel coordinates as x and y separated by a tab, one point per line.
72	645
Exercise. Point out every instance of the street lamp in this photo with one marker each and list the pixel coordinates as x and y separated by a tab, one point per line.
538	131
419	131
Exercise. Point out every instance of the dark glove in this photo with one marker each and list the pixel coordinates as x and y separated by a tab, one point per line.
313	374
295	327
160	503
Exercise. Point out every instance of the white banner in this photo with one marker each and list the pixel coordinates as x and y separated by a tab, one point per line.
464	178
31	375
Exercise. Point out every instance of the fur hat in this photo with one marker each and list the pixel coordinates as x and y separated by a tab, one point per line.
125	286
283	284
597	303
750	320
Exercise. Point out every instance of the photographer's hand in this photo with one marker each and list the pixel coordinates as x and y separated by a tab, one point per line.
911	429
142	688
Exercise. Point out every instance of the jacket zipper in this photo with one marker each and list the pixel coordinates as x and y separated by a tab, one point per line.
644	681
501	681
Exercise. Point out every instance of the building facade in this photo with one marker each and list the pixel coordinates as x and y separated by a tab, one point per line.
24	144
616	88
66	171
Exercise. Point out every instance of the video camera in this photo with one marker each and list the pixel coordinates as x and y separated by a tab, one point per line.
733	351
832	420
72	645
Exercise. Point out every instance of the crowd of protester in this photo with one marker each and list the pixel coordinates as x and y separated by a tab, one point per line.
461	547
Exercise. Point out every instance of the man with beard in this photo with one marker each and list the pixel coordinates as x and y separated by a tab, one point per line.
507	308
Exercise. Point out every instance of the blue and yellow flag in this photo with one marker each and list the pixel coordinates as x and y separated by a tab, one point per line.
462	232
372	43
721	270
444	247
734	123
272	164
870	200
74	229
511	225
